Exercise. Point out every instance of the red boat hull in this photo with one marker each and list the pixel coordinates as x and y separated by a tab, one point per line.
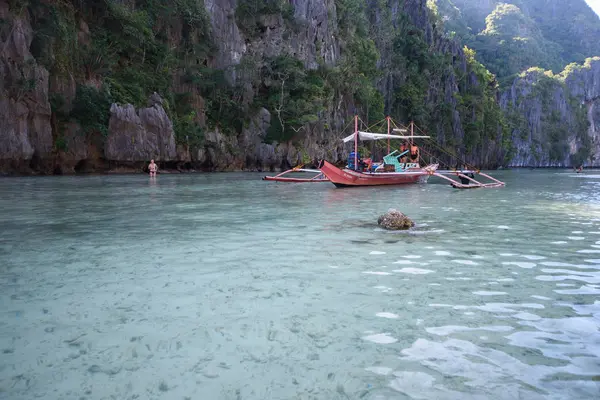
345	177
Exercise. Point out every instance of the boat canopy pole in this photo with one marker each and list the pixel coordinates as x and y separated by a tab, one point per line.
388	132
356	142
377	136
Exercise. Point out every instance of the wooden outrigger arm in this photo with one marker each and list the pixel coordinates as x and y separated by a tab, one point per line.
492	179
476	184
319	177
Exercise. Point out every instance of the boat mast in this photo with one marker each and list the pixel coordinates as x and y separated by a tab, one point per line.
356	142
388	123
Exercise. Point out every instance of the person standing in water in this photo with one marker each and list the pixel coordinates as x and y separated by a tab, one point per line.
152	168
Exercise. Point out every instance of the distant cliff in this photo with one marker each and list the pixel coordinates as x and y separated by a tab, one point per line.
540	51
554	117
511	36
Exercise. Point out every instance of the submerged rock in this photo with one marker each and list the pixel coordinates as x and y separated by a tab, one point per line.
394	220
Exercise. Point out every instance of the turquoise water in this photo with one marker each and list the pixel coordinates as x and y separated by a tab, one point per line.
223	286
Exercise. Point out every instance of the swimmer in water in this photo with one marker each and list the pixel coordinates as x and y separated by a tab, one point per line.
152	168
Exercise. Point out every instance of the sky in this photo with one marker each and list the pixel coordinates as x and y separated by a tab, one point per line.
595	4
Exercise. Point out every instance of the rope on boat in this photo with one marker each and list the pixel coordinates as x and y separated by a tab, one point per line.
452	155
448	152
431	141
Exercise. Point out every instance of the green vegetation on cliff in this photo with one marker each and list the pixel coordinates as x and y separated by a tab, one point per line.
558	117
293	95
511	36
487	121
100	52
120	54
511	42
426	92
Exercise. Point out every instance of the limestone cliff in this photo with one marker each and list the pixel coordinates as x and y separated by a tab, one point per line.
583	83
25	132
235	98
244	84
140	135
554	118
527	43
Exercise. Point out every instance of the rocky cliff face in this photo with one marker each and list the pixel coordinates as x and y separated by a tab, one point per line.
584	85
316	36
25	132
313	38
554	118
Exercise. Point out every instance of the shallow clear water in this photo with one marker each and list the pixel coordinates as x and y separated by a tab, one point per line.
223	286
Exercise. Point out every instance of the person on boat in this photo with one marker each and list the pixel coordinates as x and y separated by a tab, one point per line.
359	162
414	153
403	148
152	167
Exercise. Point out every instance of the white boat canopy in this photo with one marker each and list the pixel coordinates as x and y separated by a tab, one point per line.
378	136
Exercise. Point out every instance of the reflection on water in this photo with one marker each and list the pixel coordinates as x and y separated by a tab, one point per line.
223	286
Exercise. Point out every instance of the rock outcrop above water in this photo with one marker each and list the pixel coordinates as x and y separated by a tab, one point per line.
394	220
140	135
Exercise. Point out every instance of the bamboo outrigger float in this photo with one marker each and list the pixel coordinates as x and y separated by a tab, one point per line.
319	177
394	170
466	177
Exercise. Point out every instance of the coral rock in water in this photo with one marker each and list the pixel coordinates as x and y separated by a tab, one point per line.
394	220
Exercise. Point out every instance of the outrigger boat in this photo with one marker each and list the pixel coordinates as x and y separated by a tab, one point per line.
376	174
391	171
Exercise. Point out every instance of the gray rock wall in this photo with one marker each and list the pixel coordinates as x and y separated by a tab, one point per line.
140	135
25	130
565	105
